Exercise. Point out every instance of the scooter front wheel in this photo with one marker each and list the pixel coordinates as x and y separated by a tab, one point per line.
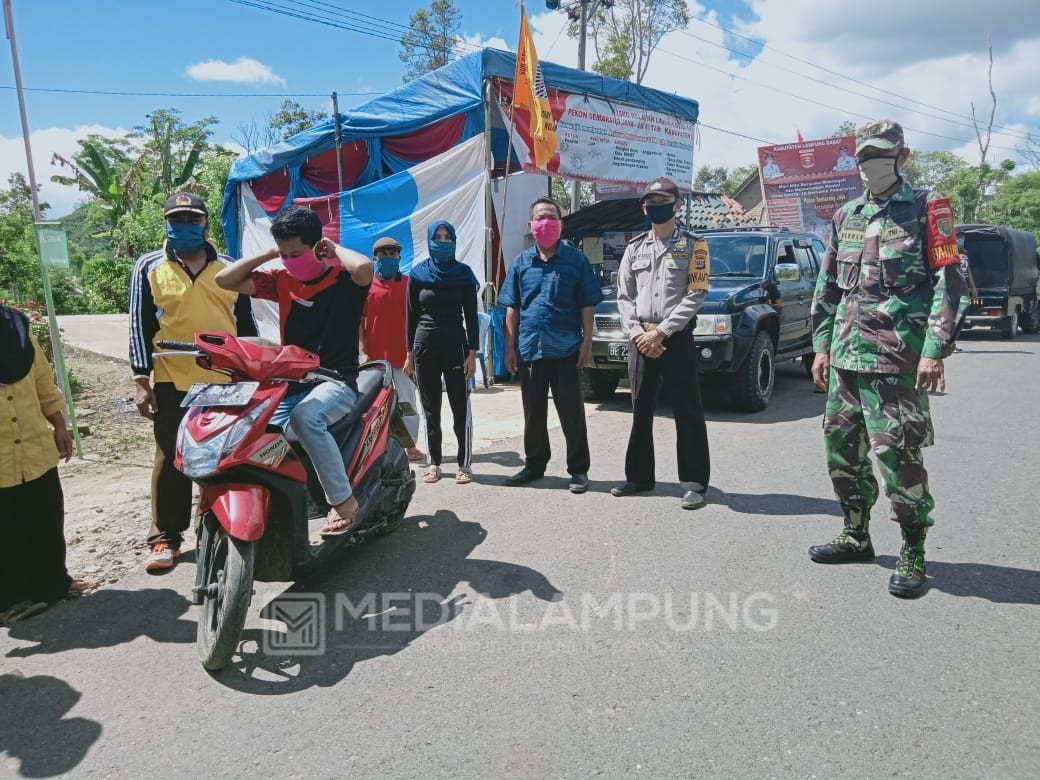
228	587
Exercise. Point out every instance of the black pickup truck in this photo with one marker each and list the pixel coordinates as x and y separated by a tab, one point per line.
757	312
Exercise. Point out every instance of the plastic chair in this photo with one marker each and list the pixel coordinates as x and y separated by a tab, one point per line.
483	324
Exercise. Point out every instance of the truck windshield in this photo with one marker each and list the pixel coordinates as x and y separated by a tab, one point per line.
988	263
737	254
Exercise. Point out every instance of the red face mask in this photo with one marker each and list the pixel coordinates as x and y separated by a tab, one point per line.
304	267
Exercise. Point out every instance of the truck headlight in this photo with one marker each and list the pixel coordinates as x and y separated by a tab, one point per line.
713	325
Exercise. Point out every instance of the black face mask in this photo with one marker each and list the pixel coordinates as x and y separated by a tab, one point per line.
659	213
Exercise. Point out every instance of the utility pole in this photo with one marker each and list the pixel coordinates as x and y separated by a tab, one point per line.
579	11
583	24
56	348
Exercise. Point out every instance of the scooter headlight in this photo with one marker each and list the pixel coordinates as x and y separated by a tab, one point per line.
200	460
239	430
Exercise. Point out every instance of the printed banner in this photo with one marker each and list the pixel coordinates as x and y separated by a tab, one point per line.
451	186
607	142
805	183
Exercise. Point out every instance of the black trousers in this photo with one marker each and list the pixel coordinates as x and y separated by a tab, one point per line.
171	490
32	542
677	368
432	361
560	375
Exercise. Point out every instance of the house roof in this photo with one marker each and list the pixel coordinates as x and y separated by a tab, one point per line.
707	210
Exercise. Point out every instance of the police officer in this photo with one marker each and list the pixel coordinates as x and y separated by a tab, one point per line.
662	281
887	304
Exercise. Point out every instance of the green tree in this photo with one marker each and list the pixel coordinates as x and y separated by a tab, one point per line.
20	280
561	193
171	151
88	231
290	118
100	168
710	179
431	40
1016	203
737	177
106	284
626	33
848	127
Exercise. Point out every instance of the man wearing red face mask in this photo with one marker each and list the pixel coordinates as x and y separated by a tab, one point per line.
321	291
550	294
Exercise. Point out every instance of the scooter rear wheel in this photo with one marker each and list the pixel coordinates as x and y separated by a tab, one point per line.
229	585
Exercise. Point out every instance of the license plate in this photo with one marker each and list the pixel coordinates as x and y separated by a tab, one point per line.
225	394
617	352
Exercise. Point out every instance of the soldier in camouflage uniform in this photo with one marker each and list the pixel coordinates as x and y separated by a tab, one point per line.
885	311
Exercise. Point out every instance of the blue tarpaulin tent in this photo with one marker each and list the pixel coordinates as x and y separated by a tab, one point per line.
399	130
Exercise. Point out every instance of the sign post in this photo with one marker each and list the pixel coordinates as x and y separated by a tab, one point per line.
54	253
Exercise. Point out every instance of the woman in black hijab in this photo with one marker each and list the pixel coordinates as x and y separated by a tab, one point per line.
442	342
32	541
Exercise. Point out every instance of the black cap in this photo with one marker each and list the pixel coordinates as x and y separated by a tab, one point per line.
185	201
661	184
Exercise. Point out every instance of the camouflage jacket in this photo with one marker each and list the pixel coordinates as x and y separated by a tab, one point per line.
884	297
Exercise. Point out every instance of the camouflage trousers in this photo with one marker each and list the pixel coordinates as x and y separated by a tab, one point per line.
883	412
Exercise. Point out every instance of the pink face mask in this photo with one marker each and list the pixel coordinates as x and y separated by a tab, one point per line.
304	267
546	231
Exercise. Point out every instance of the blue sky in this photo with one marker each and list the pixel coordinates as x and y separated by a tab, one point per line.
872	66
148	46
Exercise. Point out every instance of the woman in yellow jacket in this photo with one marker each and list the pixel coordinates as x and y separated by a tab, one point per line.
32	509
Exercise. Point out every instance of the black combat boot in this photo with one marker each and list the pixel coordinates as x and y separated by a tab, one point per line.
907	581
852	545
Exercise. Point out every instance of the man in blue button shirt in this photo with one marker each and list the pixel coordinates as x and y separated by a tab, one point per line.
550	293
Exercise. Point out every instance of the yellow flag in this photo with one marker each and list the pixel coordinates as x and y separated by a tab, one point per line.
529	92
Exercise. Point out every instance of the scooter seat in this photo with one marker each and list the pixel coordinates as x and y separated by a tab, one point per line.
369	383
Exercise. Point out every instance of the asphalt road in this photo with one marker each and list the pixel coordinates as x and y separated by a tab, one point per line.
590	635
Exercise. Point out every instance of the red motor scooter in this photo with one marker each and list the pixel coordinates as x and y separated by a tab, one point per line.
255	480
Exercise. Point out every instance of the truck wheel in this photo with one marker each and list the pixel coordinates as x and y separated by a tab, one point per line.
1010	329
597	385
1031	322
752	384
229	589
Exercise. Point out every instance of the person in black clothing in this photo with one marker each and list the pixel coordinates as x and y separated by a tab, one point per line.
442	295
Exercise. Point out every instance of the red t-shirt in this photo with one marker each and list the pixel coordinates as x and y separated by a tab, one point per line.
323	315
384	320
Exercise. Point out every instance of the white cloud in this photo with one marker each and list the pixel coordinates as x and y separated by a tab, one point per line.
924	53
243	71
45	143
470	43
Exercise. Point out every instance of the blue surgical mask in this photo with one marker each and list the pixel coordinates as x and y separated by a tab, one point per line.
442	251
185	236
387	267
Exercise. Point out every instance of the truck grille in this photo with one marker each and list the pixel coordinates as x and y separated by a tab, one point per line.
606	323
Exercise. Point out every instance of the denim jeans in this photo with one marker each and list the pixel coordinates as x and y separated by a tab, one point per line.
310	415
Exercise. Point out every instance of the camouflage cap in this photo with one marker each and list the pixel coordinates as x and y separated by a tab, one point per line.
881	134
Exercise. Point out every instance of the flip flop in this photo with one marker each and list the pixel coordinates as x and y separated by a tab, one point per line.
464	476
433	474
349	521
80	588
414	457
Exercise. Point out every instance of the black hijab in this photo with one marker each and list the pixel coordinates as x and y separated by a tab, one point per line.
16	349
